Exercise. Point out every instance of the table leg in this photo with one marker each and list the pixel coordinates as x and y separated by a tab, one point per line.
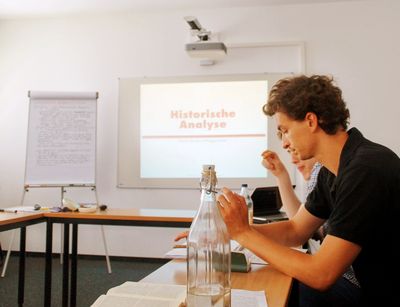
65	274
21	278
74	264
47	277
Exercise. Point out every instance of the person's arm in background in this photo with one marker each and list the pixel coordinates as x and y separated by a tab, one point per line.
182	235
290	201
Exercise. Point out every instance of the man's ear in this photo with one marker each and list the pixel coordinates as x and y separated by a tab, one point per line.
311	120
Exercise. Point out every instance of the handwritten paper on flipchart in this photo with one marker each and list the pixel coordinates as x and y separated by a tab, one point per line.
61	145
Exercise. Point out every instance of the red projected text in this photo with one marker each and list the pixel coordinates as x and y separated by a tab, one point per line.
207	119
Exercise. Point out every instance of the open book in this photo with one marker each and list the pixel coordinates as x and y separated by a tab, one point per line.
141	294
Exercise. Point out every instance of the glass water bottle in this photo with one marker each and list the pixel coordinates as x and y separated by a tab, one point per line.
209	254
244	191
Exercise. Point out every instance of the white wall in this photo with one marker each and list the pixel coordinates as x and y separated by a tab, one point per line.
356	42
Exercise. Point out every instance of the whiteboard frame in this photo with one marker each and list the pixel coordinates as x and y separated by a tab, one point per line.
128	173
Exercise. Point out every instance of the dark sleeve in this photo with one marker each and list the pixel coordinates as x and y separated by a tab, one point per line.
318	201
357	204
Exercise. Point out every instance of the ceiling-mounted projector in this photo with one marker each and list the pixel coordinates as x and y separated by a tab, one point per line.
206	49
203	48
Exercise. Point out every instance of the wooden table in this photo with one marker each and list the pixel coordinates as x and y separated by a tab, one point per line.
118	217
261	277
10	221
275	284
16	220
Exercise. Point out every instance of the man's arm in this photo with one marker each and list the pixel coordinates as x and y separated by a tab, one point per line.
293	232
273	163
318	271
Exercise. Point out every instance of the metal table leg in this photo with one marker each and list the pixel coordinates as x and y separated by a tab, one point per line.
47	278
65	274
74	264
21	278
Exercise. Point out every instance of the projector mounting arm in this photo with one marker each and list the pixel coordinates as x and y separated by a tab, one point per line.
196	29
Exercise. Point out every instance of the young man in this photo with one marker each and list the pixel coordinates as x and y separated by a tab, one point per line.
347	288
357	193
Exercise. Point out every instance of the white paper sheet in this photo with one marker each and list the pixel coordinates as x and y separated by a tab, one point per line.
245	298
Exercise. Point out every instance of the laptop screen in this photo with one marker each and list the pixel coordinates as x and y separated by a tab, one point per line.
266	201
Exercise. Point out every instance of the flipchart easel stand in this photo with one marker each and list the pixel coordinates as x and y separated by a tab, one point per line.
48	111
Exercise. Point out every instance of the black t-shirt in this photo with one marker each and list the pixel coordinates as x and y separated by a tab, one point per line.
362	205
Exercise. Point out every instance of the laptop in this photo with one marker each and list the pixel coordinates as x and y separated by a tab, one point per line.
267	203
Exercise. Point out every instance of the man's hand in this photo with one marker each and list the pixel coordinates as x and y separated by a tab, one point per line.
272	163
234	212
182	235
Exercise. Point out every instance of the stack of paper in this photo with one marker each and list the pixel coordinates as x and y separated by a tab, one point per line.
176	253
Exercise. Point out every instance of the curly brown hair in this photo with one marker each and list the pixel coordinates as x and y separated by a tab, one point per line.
296	96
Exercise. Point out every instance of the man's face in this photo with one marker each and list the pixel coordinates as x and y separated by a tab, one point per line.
305	167
296	136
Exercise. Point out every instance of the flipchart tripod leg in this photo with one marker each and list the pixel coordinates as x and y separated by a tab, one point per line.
106	250
3	273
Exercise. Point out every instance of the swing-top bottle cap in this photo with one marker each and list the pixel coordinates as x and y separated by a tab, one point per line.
208	167
244	185
208	179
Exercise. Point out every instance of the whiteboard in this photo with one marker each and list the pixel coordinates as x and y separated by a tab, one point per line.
61	139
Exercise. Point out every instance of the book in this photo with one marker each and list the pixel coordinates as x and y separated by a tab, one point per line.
240	262
143	294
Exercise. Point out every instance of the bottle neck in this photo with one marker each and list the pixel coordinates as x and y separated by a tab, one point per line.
206	195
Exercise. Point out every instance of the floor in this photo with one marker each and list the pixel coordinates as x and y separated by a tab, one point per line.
93	279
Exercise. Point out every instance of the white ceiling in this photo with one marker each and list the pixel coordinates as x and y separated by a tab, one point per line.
35	8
